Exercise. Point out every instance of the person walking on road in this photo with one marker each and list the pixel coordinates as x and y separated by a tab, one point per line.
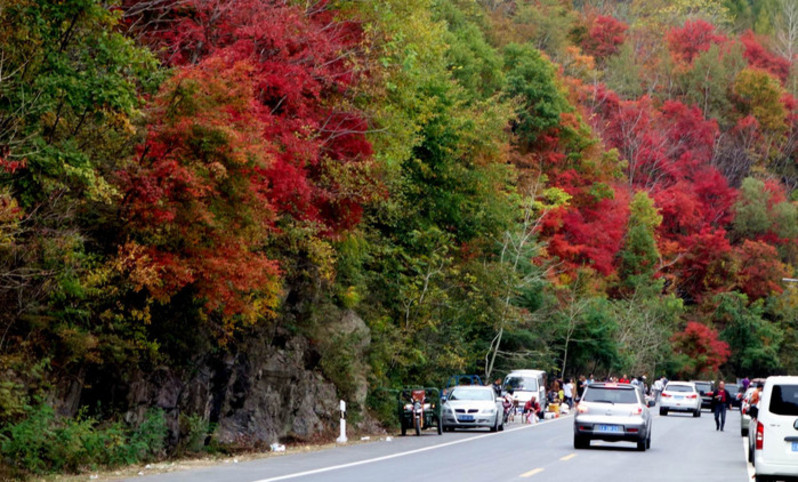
721	400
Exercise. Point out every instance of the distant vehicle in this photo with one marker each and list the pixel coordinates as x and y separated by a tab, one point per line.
419	408
526	383
776	432
472	407
736	392
680	397
612	412
704	388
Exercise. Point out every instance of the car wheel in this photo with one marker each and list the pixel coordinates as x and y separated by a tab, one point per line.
697	413
743	432
641	446
501	427
663	411
581	442
763	478
648	441
750	455
495	425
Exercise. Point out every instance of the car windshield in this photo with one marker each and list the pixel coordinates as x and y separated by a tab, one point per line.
466	394
610	395
679	388
784	400
529	384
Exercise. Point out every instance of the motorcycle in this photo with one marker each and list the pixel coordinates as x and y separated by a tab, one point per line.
418	411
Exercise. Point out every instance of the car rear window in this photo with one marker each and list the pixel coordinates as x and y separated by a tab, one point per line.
784	400
679	388
610	395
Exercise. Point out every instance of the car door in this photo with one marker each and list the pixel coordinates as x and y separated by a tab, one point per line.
780	424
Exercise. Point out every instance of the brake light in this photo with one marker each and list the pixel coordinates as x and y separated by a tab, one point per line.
666	395
692	396
760	435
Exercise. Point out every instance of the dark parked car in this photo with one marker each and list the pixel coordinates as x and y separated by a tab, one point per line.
704	387
736	392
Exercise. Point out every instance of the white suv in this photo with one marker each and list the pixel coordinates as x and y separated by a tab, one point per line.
776	434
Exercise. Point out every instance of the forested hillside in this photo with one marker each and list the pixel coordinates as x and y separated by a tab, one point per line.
218	217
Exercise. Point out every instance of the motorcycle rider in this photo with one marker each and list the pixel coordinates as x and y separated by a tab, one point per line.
508	403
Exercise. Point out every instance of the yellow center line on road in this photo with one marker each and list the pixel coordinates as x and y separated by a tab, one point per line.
567	457
532	472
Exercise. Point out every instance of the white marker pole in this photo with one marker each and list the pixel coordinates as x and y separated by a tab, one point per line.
342	437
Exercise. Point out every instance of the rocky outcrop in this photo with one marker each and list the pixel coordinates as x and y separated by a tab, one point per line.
269	389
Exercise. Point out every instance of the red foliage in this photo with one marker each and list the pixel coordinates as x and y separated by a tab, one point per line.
705	352
300	68
195	205
759	56
761	269
706	264
591	235
697	36
604	37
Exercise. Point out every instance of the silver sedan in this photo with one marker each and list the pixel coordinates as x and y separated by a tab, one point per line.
612	412
472	407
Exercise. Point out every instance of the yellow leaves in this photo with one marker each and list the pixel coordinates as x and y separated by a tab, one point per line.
322	255
10	214
761	96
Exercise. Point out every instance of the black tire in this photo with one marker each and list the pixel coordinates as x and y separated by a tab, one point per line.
501	427
697	413
663	411
641	446
750	455
495	425
404	429
743	432
440	426
417	425
648	441
763	478
581	442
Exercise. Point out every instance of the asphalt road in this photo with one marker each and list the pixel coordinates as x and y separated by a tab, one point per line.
683	448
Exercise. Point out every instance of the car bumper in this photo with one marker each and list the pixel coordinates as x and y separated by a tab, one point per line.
480	420
624	428
763	467
679	405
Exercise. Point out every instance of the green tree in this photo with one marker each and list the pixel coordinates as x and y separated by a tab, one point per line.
639	256
754	341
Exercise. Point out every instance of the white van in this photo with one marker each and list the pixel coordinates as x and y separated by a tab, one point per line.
776	434
526	383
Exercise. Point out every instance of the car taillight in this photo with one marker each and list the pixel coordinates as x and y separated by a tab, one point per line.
665	395
760	435
692	396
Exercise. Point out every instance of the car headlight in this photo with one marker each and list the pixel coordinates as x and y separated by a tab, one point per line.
489	411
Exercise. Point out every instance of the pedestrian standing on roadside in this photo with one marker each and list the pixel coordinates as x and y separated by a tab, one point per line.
721	400
656	389
745	383
568	393
497	387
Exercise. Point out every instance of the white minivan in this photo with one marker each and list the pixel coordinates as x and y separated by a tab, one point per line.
526	383
776	434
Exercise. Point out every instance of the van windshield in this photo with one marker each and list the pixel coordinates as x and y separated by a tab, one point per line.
527	384
784	400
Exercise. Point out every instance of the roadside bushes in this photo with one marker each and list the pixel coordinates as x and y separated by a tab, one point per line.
45	442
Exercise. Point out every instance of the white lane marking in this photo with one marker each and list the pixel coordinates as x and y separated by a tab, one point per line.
532	472
402	454
749	467
567	457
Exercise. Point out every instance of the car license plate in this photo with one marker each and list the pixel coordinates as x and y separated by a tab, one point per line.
678	397
608	428
795	446
465	418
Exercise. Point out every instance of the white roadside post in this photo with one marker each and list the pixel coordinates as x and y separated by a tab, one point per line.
342	437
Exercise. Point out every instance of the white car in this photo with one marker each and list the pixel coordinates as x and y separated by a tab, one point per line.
776	432
680	397
472	407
